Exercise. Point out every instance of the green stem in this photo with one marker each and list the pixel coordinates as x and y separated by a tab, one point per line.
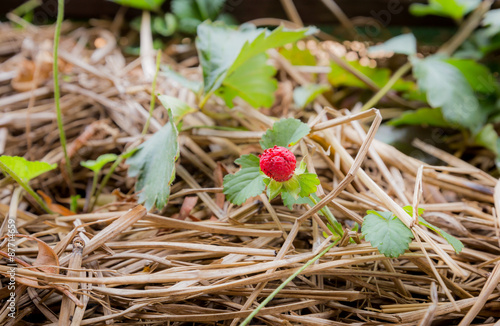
26	187
106	179
204	101
208	113
153	91
94	186
387	87
288	280
57	94
329	216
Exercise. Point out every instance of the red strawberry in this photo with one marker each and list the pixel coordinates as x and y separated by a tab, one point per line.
278	163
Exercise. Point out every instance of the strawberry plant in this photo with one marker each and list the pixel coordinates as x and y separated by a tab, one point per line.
275	172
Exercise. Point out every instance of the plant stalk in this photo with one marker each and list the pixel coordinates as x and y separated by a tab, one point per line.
106	179
329	216
387	87
92	190
57	94
153	95
288	280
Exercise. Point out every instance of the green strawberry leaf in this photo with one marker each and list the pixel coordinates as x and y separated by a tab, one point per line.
477	75
446	87
403	44
274	188
386	233
247	182
380	76
154	165
178	107
298	57
98	164
192	13
302	167
421	117
454	242
455	9
292	186
289	200
304	95
24	169
488	137
284	133
268	40
222	49
301	185
151	5
193	85
164	25
409	210
253	82
308	183
492	21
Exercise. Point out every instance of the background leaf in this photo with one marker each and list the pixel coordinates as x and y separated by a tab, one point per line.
488	138
268	40
421	117
151	5
164	25
338	76
403	44
247	182
24	169
191	13
303	95
98	164
284	133
446	87
477	75
154	165
455	9
253	82
218	47
386	233
222	49
178	107
297	56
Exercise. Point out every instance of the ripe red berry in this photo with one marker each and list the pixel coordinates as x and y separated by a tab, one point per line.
278	163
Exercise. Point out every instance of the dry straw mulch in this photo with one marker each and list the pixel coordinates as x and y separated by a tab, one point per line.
201	260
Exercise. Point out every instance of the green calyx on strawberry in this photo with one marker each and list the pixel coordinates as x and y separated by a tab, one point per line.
278	164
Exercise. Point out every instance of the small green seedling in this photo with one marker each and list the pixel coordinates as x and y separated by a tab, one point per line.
96	166
22	171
